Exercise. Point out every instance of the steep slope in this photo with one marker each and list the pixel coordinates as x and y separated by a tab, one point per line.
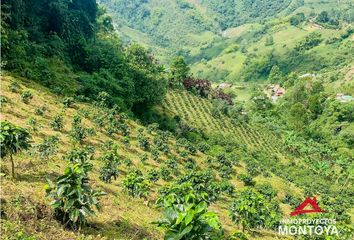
301	169
25	209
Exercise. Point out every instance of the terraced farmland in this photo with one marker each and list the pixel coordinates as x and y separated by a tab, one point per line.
197	111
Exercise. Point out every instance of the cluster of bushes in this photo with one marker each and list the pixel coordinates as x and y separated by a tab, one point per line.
310	41
297	19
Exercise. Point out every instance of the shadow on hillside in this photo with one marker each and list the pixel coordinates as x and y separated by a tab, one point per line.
36	178
118	229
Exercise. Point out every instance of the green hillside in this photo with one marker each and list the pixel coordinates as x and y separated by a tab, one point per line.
25	206
176	119
123	216
241	54
250	136
208	25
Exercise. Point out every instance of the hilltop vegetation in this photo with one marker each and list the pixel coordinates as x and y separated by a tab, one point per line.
70	47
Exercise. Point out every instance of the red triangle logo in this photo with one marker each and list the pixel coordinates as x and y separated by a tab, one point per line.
301	208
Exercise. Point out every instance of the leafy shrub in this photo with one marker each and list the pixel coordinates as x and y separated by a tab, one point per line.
136	185
33	124
165	173
57	123
183	154
209	160
73	197
251	210
161	145
13	140
143	142
153	175
103	99
184	143
110	168
253	168
227	188
78	132
186	217
90	132
203	182
126	141
181	142
246	179
293	201
143	158
99	120
48	147
203	147
109	171
40	110
266	190
175	192
190	164
155	154
152	128
14	87
225	172
172	164
127	162
26	96
79	155
68	102
3	100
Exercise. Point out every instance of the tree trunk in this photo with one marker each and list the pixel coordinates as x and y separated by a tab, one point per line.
12	166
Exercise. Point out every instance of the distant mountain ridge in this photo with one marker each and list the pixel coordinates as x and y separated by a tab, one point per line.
217	37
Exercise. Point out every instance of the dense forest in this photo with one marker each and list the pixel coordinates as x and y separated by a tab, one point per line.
69	46
175	119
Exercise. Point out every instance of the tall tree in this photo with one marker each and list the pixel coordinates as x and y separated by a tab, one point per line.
275	75
179	70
